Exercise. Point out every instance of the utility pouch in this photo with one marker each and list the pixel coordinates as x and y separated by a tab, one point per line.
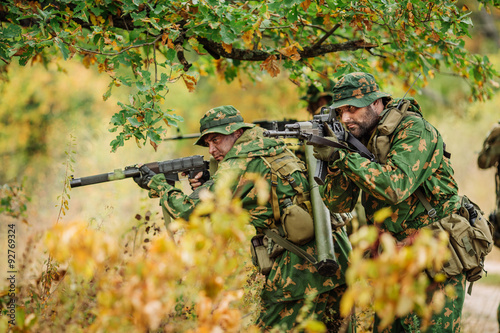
470	240
297	223
260	256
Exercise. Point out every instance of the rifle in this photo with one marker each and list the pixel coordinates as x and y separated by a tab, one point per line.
313	131
267	124
170	168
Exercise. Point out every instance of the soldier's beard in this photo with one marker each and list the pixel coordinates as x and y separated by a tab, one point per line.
364	127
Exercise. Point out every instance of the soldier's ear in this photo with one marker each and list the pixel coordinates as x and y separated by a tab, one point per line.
238	133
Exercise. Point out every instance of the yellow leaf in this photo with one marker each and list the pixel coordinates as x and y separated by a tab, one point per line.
347	302
190	82
227	47
271	66
305	4
405	306
314	326
382	214
247	38
154	145
291	52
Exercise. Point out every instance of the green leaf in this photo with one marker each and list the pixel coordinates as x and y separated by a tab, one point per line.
107	94
62	47
171	54
227	35
134	122
11	31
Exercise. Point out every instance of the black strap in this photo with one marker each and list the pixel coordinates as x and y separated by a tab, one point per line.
360	148
446	154
351	139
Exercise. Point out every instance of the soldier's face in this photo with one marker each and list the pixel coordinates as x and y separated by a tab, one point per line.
360	121
219	144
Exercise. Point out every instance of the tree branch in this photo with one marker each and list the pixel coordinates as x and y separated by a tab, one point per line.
328	34
307	52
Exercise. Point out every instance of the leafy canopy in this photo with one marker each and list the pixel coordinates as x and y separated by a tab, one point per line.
148	45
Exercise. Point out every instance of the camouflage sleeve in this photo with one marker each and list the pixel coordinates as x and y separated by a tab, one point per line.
178	204
339	193
247	170
416	152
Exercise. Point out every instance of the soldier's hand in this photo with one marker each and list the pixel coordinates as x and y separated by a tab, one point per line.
145	177
199	179
326	153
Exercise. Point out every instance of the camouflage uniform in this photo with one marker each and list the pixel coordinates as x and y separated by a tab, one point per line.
415	160
292	279
489	157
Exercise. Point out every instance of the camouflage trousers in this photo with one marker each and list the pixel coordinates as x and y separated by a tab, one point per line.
448	320
285	316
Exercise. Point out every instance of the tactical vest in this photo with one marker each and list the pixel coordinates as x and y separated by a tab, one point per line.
470	232
292	228
380	143
283	166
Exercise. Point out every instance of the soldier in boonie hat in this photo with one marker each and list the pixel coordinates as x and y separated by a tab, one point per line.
223	120
357	89
316	99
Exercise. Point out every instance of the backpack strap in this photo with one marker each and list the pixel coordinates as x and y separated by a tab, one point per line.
430	210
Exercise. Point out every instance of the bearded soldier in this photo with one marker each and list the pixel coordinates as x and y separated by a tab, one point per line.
290	279
409	160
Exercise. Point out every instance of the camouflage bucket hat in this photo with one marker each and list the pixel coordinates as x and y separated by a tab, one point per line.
357	89
223	120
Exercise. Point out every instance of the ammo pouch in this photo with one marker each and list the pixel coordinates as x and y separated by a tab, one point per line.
260	256
297	223
471	240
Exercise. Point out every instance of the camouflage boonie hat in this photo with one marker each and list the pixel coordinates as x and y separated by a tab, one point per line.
223	120
357	89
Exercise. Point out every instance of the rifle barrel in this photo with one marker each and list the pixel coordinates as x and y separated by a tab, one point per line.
286	134
170	168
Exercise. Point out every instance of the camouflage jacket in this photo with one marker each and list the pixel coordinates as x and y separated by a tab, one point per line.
291	277
415	160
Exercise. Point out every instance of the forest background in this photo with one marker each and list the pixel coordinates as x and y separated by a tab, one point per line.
56	124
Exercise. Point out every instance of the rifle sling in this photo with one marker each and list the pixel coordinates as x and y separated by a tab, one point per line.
360	148
290	246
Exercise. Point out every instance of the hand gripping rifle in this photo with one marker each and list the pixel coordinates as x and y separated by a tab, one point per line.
170	168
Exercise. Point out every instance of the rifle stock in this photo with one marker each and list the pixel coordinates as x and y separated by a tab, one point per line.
170	168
